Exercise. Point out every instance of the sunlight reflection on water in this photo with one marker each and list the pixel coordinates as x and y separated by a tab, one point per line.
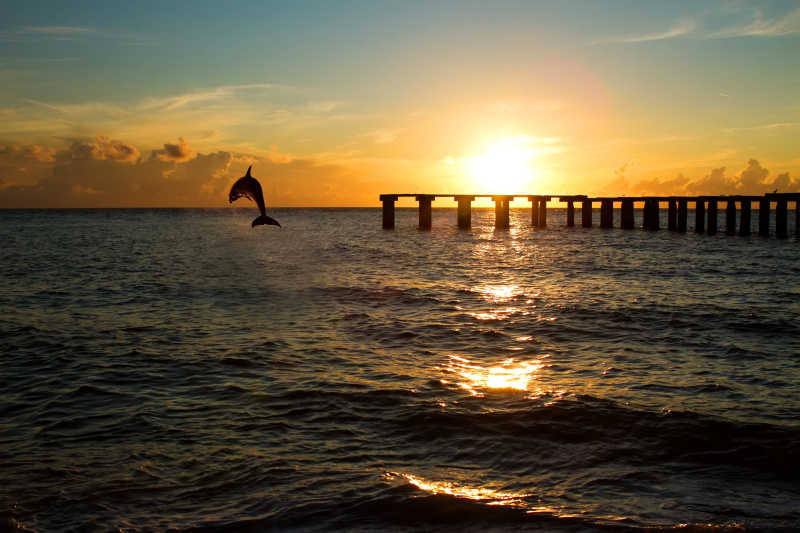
476	378
499	293
483	494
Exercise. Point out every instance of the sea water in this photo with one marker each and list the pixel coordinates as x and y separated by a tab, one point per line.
177	369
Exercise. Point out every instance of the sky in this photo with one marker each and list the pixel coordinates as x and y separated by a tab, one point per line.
116	104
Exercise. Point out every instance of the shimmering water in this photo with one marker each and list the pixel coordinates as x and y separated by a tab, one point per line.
177	369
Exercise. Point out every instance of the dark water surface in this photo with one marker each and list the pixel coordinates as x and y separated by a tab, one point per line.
176	369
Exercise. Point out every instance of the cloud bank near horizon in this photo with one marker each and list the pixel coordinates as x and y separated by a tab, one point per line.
754	179
105	172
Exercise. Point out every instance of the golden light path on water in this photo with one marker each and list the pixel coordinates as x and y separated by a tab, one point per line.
482	494
508	374
476	378
498	294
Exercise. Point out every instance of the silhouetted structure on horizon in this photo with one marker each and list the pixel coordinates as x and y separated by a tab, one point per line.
705	209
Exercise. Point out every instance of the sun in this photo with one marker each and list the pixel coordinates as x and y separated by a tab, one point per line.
505	167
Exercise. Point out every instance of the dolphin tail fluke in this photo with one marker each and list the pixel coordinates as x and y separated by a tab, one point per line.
264	219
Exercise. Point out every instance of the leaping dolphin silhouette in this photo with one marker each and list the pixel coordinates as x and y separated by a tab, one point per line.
249	187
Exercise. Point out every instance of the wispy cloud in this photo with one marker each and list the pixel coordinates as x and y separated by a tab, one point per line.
82	109
66	33
680	28
174	102
58	30
787	24
757	25
771	126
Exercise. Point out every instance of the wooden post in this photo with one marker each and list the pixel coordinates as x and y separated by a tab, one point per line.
543	212
647	215
571	214
797	218
534	210
425	210
586	213
464	211
627	214
730	217
672	215
683	214
763	217
501	220
744	218
699	216
388	210
655	223
606	214
780	218
712	216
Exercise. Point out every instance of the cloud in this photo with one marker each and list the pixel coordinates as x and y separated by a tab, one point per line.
203	95
91	181
178	153
42	154
753	177
771	126
104	148
761	26
68	33
752	180
680	28
58	30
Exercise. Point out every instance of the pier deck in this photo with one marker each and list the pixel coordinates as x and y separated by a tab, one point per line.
706	210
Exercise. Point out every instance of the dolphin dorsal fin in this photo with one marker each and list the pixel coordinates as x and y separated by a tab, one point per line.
248	172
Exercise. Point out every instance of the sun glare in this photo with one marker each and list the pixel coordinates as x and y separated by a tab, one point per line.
477	379
505	166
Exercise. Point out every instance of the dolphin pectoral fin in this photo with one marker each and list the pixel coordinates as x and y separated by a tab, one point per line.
264	219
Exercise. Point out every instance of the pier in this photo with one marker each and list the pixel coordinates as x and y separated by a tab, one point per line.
738	211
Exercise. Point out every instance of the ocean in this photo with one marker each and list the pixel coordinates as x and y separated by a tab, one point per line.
178	370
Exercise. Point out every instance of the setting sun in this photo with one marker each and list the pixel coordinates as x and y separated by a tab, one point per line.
504	167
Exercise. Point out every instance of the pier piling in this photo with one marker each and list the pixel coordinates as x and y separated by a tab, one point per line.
683	214
534	200
699	216
571	214
744	217
763	217
586	213
606	213
425	210
712	216
672	215
543	211
501	219
781	218
730	217
626	214
464	211
651	214
388	201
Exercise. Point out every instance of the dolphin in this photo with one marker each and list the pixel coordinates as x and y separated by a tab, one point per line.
249	187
